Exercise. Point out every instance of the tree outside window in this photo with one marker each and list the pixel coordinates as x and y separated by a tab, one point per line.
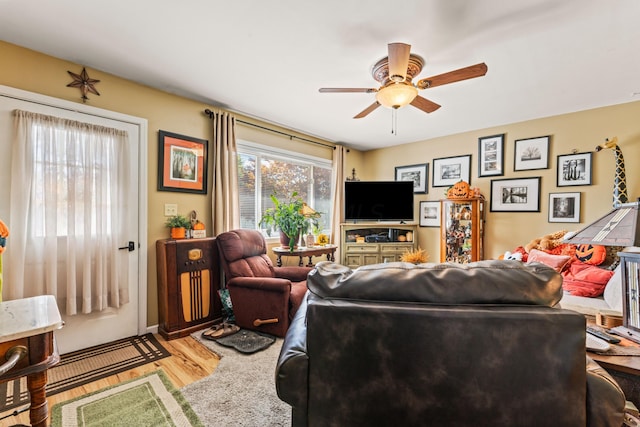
281	176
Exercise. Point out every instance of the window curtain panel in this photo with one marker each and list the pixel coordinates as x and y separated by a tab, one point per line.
225	201
338	177
67	192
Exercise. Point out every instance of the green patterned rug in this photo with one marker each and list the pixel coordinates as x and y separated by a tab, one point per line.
150	400
86	366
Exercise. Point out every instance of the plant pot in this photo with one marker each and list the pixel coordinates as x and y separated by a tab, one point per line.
178	232
284	240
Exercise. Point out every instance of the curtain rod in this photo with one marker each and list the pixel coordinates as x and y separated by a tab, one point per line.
209	113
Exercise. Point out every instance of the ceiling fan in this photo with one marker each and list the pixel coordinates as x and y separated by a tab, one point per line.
395	72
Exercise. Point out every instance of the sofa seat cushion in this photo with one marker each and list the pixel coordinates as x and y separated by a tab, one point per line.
482	282
584	305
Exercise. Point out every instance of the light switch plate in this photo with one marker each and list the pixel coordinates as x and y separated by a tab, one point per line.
170	209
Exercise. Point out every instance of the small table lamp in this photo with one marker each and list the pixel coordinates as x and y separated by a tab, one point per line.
620	228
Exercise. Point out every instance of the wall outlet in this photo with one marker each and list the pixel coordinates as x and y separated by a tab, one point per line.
170	209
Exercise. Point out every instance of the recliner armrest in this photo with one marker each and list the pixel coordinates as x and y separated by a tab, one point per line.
293	364
295	274
271	284
605	398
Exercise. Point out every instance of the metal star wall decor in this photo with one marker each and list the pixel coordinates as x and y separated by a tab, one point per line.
84	83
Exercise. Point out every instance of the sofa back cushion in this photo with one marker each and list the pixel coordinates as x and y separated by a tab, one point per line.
244	254
482	282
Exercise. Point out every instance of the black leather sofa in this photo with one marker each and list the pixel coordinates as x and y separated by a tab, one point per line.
441	345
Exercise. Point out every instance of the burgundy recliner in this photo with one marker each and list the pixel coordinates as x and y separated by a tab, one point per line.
265	298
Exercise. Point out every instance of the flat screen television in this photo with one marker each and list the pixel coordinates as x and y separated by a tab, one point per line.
378	200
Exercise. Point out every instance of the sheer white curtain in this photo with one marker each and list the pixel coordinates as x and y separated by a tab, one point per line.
68	182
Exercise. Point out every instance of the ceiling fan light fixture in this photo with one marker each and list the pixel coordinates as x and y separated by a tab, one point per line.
396	95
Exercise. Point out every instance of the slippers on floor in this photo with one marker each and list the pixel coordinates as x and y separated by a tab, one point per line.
220	330
212	329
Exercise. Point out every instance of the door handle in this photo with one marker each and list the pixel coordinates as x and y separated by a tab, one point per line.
131	246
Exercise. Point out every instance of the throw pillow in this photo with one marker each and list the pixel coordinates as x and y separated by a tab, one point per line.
613	291
591	254
585	280
557	262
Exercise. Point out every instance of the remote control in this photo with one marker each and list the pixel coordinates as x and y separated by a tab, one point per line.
603	335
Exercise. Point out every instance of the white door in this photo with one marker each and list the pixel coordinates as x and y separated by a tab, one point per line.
85	330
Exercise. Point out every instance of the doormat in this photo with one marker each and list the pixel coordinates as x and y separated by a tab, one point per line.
246	341
88	365
150	400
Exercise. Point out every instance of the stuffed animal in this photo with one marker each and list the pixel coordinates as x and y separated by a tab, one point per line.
516	256
546	243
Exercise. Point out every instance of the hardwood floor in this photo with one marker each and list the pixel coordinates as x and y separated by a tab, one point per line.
189	362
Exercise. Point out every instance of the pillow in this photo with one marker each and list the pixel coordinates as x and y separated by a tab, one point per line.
557	262
613	291
591	254
585	280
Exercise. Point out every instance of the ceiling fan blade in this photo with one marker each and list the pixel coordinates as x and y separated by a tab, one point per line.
398	61
470	72
346	90
367	110
424	104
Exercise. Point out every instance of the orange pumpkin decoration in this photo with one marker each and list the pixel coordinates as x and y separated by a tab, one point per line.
459	190
591	254
4	233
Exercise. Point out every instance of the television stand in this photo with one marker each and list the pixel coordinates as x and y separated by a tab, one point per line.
376	242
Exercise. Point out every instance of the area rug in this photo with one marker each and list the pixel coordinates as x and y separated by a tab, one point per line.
150	400
246	341
241	391
88	365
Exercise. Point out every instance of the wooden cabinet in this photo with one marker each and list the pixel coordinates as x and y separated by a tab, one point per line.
188	283
364	244
461	230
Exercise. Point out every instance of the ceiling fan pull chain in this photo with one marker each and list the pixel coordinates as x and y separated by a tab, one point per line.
394	122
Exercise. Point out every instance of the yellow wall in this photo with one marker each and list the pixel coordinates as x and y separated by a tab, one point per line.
32	71
35	72
580	131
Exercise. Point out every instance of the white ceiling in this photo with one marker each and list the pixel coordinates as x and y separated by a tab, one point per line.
267	58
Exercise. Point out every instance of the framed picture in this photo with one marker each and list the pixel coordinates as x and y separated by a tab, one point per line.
564	207
490	155
515	195
532	153
182	163
574	169
429	214
419	174
449	170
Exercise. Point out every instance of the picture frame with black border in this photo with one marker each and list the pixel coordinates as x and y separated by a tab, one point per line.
574	169
515	195
419	174
449	170
182	163
531	153
491	155
564	207
429	214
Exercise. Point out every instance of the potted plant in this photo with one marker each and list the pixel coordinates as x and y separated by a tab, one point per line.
286	216
179	224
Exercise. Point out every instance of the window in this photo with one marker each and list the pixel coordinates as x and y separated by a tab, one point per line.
72	166
263	171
